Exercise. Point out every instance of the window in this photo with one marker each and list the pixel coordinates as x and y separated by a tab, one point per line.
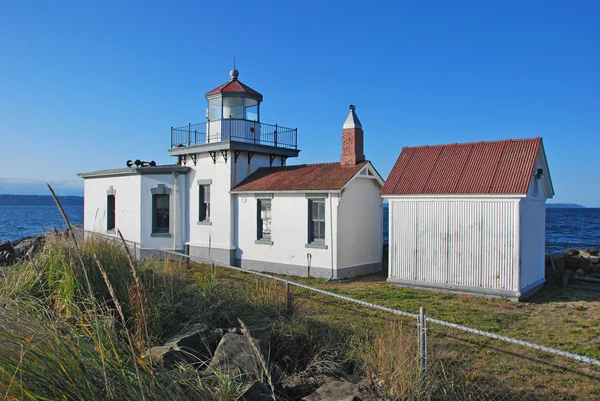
263	219
160	213
110	213
204	203
316	221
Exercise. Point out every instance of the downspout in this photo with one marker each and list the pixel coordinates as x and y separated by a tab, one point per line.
331	235
176	209
331	229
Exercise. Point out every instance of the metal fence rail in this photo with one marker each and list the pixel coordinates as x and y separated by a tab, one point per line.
237	130
418	317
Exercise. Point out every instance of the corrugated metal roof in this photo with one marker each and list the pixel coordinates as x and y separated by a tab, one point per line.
497	167
304	177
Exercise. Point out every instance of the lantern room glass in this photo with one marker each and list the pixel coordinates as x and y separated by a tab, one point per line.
234	107
215	109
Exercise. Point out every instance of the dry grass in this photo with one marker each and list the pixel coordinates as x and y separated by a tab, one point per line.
46	322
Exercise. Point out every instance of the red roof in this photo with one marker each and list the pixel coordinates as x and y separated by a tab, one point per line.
235	86
498	167
308	177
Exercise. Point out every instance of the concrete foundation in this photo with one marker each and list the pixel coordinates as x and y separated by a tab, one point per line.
305	271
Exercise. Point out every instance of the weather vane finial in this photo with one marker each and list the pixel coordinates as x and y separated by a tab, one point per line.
234	74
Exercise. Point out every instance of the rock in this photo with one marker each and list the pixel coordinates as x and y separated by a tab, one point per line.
201	341
572	252
594	259
194	347
577	262
256	392
580	272
32	244
335	391
235	354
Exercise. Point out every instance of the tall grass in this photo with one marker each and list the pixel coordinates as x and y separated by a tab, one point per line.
58	341
52	344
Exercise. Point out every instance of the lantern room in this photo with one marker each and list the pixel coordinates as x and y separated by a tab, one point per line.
233	100
233	115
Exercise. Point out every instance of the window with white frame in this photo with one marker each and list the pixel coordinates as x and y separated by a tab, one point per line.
263	223
316	220
161	211
204	203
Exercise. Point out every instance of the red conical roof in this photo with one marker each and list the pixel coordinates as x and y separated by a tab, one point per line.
235	86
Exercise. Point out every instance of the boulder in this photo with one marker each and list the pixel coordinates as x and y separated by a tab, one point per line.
236	355
167	356
335	391
577	262
32	244
194	347
200	341
580	272
257	392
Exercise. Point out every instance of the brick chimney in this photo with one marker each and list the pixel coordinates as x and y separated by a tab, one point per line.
352	140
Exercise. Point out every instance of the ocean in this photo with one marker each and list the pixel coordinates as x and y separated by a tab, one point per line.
18	221
565	228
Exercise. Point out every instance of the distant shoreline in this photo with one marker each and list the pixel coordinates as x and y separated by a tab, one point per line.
39	200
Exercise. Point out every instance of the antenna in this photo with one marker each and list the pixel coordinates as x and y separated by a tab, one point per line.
234	62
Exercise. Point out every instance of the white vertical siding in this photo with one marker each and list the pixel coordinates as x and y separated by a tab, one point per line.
469	243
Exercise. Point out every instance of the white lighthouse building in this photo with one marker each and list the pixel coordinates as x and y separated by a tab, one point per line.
232	198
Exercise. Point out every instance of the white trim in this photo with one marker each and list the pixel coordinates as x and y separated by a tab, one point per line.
457	197
310	191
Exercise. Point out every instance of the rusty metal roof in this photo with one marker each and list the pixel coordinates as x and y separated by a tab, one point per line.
235	86
304	177
496	167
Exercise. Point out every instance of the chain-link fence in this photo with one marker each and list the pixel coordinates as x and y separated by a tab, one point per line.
403	355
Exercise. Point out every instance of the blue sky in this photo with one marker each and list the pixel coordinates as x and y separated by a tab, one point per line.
87	85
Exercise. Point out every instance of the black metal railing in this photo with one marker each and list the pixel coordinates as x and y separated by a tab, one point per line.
232	129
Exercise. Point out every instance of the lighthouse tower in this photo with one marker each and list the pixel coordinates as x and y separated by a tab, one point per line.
221	152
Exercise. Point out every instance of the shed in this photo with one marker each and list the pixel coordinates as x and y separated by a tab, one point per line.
469	217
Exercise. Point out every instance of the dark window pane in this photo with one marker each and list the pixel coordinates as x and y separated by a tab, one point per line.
264	218
110	212
160	218
321	229
204	202
321	210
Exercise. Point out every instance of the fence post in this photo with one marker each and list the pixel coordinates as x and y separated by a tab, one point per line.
213	269
187	252
275	135
135	251
288	297
422	343
229	128
189	134
254	131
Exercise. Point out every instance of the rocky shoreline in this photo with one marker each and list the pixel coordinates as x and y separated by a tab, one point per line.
574	264
13	251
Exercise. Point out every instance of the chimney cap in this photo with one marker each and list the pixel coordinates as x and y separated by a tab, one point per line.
352	121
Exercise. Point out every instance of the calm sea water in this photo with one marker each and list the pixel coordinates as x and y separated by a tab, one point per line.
563	226
17	221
